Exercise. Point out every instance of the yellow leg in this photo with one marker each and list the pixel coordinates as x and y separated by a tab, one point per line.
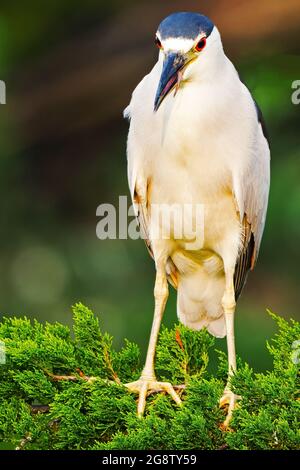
228	303
147	382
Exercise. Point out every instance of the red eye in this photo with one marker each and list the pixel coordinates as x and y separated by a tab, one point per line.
201	45
158	43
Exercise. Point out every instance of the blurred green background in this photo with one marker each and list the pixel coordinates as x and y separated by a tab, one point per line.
70	68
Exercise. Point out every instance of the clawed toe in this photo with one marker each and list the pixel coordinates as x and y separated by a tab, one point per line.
228	399
145	387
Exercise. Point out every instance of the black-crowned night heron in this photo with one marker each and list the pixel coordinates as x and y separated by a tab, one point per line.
197	137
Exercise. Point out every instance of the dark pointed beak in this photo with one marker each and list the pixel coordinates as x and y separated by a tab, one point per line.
173	64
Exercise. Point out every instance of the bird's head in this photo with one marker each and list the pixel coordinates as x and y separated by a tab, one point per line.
186	47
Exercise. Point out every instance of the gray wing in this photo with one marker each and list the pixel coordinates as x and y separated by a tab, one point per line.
251	195
244	261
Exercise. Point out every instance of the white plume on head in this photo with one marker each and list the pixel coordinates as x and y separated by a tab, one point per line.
126	113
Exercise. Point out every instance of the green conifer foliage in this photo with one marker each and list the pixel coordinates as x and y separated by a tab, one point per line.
60	390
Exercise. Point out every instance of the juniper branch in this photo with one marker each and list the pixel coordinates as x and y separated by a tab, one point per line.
63	393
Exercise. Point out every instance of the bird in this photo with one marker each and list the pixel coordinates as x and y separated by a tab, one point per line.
197	138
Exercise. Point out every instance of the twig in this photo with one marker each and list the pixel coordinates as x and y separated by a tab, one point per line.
71	378
110	367
24	441
178	339
39	409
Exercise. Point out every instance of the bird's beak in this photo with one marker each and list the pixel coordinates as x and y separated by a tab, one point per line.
170	76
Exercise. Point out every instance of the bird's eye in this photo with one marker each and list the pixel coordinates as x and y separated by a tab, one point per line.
158	43
200	45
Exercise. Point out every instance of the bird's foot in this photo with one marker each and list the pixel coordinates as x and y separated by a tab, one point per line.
229	399
148	385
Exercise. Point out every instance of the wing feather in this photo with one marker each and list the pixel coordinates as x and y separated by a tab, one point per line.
251	192
142	218
243	264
